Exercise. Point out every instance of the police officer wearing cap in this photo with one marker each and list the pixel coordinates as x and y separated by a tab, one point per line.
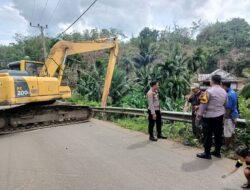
212	110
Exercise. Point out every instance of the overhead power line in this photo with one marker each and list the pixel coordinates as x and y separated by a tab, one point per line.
40	19
78	18
53	12
33	9
42	28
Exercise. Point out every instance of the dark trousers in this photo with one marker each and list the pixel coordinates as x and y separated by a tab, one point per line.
151	123
194	127
212	126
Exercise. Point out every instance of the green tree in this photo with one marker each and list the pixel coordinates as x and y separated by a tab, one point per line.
175	77
227	35
198	60
126	58
120	87
246	91
146	39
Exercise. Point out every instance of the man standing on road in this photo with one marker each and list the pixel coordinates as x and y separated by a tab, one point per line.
231	114
212	110
154	113
194	100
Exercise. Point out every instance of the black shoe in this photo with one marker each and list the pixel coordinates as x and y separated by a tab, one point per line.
245	186
216	154
204	156
152	139
161	137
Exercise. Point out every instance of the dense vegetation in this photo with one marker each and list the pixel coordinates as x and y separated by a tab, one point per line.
172	56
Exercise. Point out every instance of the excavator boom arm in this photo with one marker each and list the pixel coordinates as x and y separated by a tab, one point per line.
62	49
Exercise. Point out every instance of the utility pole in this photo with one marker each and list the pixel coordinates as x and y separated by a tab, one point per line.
41	28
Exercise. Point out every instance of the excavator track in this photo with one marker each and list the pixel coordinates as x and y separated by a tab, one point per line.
30	117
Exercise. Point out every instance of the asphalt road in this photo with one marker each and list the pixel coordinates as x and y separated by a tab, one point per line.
101	156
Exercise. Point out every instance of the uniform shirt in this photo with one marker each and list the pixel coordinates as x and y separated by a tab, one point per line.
213	102
153	101
232	103
239	163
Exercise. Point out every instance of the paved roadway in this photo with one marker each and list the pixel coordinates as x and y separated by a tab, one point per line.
101	156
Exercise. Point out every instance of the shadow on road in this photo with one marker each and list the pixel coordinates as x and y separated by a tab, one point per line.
138	145
196	165
3	136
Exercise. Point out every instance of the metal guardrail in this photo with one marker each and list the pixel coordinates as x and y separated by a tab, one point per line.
166	115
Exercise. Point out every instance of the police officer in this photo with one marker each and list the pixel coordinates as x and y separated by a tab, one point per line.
154	113
212	110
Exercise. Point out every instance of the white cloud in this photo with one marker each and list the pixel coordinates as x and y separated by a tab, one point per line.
225	10
128	16
11	22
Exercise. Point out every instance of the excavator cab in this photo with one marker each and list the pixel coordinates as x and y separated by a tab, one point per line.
33	68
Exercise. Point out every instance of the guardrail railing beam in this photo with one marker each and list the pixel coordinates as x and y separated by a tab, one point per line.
166	115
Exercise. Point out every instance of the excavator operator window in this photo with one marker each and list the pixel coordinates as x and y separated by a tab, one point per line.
14	66
33	69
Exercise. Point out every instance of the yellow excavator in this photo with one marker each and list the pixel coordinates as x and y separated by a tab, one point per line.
29	90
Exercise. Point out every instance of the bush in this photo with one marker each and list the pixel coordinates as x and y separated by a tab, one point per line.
173	105
244	107
78	99
173	130
133	123
135	99
243	134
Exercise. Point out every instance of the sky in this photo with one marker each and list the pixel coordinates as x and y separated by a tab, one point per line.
128	16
